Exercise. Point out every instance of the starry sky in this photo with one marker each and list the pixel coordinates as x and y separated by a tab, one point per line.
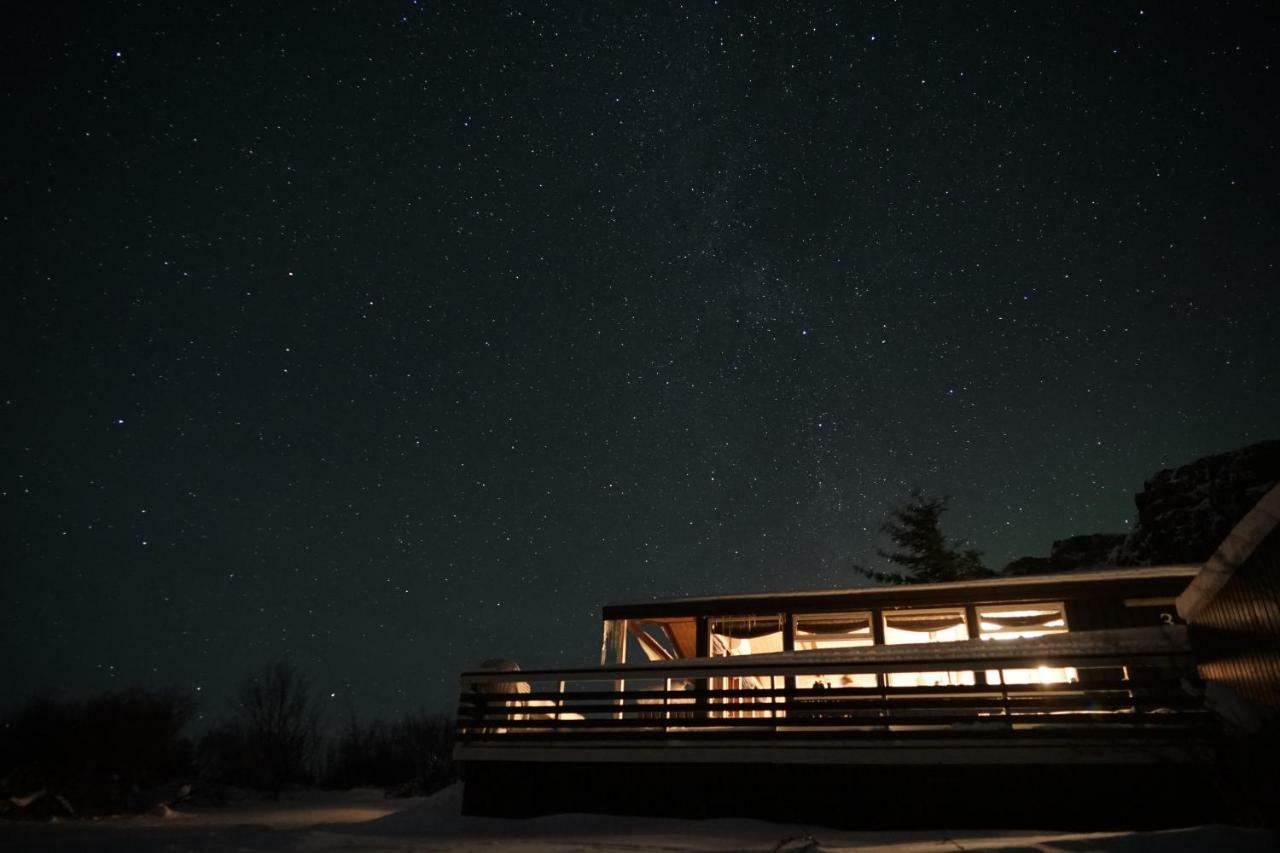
390	337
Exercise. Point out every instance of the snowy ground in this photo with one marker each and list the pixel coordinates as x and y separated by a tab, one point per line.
365	822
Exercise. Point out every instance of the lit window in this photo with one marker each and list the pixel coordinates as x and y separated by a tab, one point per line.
1025	621
939	625
817	632
745	635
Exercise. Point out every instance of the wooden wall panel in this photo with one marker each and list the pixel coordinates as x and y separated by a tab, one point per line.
1238	631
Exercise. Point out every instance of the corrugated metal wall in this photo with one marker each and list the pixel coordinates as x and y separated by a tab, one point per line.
1238	631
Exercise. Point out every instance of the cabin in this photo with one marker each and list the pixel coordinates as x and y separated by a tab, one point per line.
1088	699
1025	691
995	609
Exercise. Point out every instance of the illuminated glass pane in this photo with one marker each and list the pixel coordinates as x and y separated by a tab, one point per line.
1025	621
937	625
824	631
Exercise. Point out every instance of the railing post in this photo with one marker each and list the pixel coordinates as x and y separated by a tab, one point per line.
878	639
975	633
883	682
702	649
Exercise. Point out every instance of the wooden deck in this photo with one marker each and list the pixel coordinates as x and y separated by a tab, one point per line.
581	739
1135	684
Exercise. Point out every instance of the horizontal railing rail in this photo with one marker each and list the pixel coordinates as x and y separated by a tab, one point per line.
1165	645
612	696
1127	681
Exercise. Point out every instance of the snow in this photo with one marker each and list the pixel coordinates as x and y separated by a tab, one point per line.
364	821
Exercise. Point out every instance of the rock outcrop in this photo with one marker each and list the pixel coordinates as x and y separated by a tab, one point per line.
1075	552
1183	515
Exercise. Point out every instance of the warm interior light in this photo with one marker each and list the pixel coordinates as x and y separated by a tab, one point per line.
746	635
821	631
943	625
1025	621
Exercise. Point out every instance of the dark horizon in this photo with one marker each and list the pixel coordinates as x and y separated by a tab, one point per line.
388	340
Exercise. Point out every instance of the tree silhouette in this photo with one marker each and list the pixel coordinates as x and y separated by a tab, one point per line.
280	722
921	551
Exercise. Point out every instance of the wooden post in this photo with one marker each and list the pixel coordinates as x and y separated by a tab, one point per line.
975	633
877	639
702	649
788	645
613	647
614	651
882	679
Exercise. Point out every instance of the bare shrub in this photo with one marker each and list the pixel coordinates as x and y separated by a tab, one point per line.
412	755
273	736
99	753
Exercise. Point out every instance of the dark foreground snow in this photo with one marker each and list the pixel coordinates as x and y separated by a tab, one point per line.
365	822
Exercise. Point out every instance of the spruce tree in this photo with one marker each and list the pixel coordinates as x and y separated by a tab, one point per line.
921	552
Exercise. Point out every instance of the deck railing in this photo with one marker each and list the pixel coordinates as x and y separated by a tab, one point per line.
1127	681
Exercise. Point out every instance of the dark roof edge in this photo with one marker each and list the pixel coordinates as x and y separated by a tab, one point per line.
1090	576
1245	538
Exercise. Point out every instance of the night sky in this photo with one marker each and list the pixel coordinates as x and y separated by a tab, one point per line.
389	337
